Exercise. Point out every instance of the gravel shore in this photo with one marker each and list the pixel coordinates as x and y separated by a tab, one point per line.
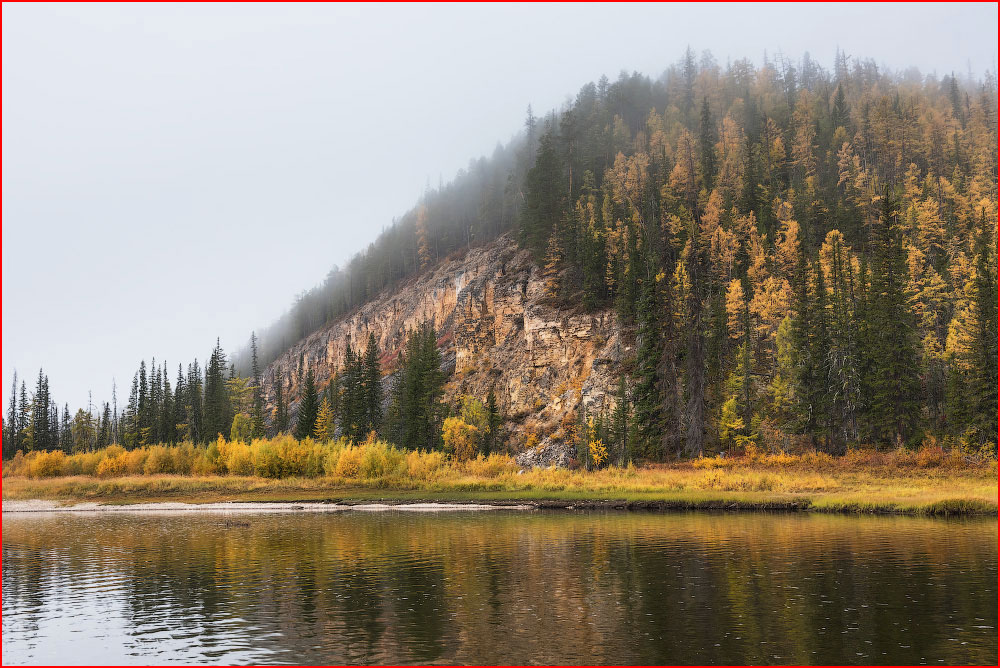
45	506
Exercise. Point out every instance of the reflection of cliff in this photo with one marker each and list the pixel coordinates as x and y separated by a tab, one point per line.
516	587
495	330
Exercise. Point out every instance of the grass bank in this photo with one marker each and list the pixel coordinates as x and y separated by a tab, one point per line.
929	481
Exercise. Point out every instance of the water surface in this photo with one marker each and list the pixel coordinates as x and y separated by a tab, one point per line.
498	588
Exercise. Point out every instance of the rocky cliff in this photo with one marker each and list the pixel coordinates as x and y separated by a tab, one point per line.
495	329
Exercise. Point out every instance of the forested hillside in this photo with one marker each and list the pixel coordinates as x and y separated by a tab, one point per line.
797	255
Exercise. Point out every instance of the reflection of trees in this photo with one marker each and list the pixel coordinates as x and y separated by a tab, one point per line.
512	587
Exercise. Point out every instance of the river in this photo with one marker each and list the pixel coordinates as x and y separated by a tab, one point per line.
497	587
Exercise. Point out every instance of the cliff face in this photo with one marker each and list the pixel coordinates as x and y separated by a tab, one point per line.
495	329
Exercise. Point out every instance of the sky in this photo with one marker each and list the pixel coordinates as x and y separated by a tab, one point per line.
177	173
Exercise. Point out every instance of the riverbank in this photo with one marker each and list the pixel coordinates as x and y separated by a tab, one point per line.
736	486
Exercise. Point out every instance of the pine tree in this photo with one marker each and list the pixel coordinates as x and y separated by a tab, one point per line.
308	408
984	368
543	197
619	433
707	138
354	418
195	404
40	428
66	432
12	425
257	413
890	385
24	419
104	434
416	413
218	413
372	382
280	407
143	417
647	397
494	423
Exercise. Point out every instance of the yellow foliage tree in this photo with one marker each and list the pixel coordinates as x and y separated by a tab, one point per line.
325	428
460	438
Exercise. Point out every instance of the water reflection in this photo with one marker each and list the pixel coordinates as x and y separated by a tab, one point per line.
498	587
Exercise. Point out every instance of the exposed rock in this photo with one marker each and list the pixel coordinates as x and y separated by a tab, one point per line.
549	453
495	329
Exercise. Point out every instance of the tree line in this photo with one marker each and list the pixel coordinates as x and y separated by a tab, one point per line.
204	404
797	254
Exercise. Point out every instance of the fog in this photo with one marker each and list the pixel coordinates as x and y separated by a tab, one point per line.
177	173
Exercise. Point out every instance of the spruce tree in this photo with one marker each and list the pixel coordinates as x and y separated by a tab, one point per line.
24	419
66	432
706	139
257	412
280	406
308	408
372	380
218	416
494	423
647	398
619	432
12	425
891	384
984	368
543	197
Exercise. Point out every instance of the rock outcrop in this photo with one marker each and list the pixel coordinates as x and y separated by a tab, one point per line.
495	329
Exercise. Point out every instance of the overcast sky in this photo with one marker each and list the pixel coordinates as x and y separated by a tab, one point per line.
174	173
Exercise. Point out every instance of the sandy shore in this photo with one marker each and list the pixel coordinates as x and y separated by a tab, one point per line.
47	506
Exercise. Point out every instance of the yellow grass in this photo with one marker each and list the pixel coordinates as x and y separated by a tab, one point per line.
926	481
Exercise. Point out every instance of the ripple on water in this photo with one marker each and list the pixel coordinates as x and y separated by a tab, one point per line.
498	587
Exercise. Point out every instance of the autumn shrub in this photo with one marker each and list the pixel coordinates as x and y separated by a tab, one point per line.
16	465
114	466
266	458
83	463
930	456
237	457
135	461
46	464
716	462
461	439
349	462
422	465
492	466
159	460
379	460
299	458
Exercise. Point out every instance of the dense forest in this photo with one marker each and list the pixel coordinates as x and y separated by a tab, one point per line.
801	256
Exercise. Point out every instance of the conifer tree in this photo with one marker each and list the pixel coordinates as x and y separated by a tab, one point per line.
218	416
416	413
257	412
620	423
891	385
24	419
325	428
372	382
984	367
647	397
308	408
280	406
707	137
494	422
12	425
66	431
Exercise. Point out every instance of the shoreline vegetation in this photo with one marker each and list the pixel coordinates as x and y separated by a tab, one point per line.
928	481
